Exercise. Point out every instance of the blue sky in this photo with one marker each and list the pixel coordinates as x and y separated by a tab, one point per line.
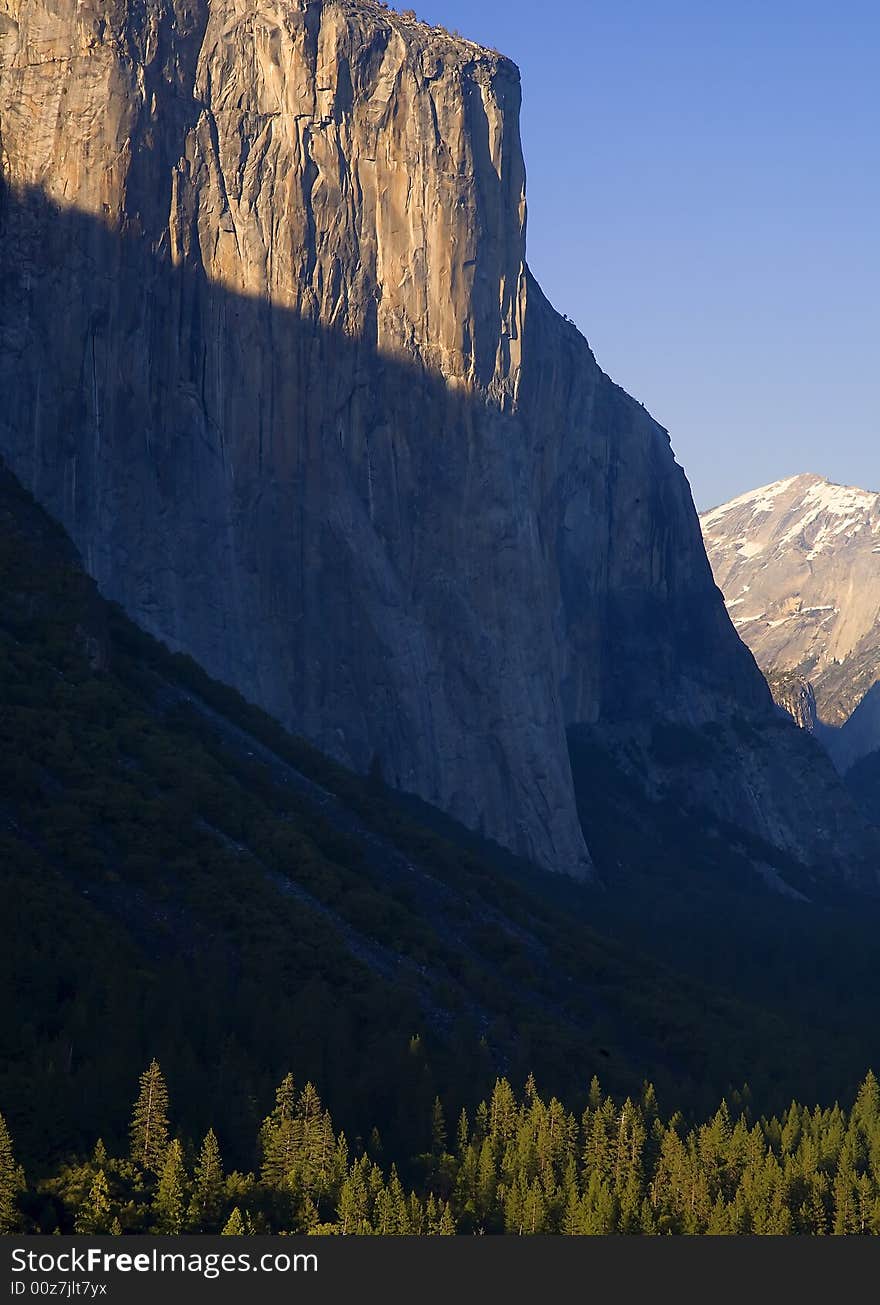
704	201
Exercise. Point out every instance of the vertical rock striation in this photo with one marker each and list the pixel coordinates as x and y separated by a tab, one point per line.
272	353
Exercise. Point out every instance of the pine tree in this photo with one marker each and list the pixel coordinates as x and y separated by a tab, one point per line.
866	1111
207	1198
846	1217
647	1221
534	1210
11	1183
865	1204
487	1181
285	1103
502	1111
599	1207
169	1203
308	1216
384	1214
462	1134
572	1218
237	1225
817	1220
93	1216
277	1137
354	1202
513	1209
149	1121
314	1146
599	1148
447	1221
438	1128
650	1108
399	1204
718	1224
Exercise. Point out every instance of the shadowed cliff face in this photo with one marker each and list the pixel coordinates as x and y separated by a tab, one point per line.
270	350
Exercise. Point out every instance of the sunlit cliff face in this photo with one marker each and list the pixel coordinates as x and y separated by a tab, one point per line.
272	354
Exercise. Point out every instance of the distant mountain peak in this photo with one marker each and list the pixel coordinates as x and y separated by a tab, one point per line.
805	513
798	562
814	490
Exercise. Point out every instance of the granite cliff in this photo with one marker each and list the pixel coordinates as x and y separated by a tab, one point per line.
271	351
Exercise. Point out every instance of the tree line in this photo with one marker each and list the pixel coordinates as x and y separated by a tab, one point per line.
521	1165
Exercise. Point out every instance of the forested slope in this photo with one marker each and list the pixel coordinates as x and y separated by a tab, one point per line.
183	879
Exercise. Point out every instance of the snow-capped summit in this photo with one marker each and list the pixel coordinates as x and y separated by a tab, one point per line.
798	562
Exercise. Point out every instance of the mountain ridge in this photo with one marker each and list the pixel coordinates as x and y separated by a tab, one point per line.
799	563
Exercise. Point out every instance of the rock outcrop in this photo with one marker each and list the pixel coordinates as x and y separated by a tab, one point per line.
270	350
795	695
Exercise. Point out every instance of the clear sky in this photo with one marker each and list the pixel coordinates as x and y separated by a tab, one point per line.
704	201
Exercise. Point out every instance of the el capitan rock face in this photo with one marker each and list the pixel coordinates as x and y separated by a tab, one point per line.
270	350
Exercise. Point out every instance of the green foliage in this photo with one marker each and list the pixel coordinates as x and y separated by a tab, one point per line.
208	1187
95	1216
526	1166
237	1225
149	1121
169	1203
11	1182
